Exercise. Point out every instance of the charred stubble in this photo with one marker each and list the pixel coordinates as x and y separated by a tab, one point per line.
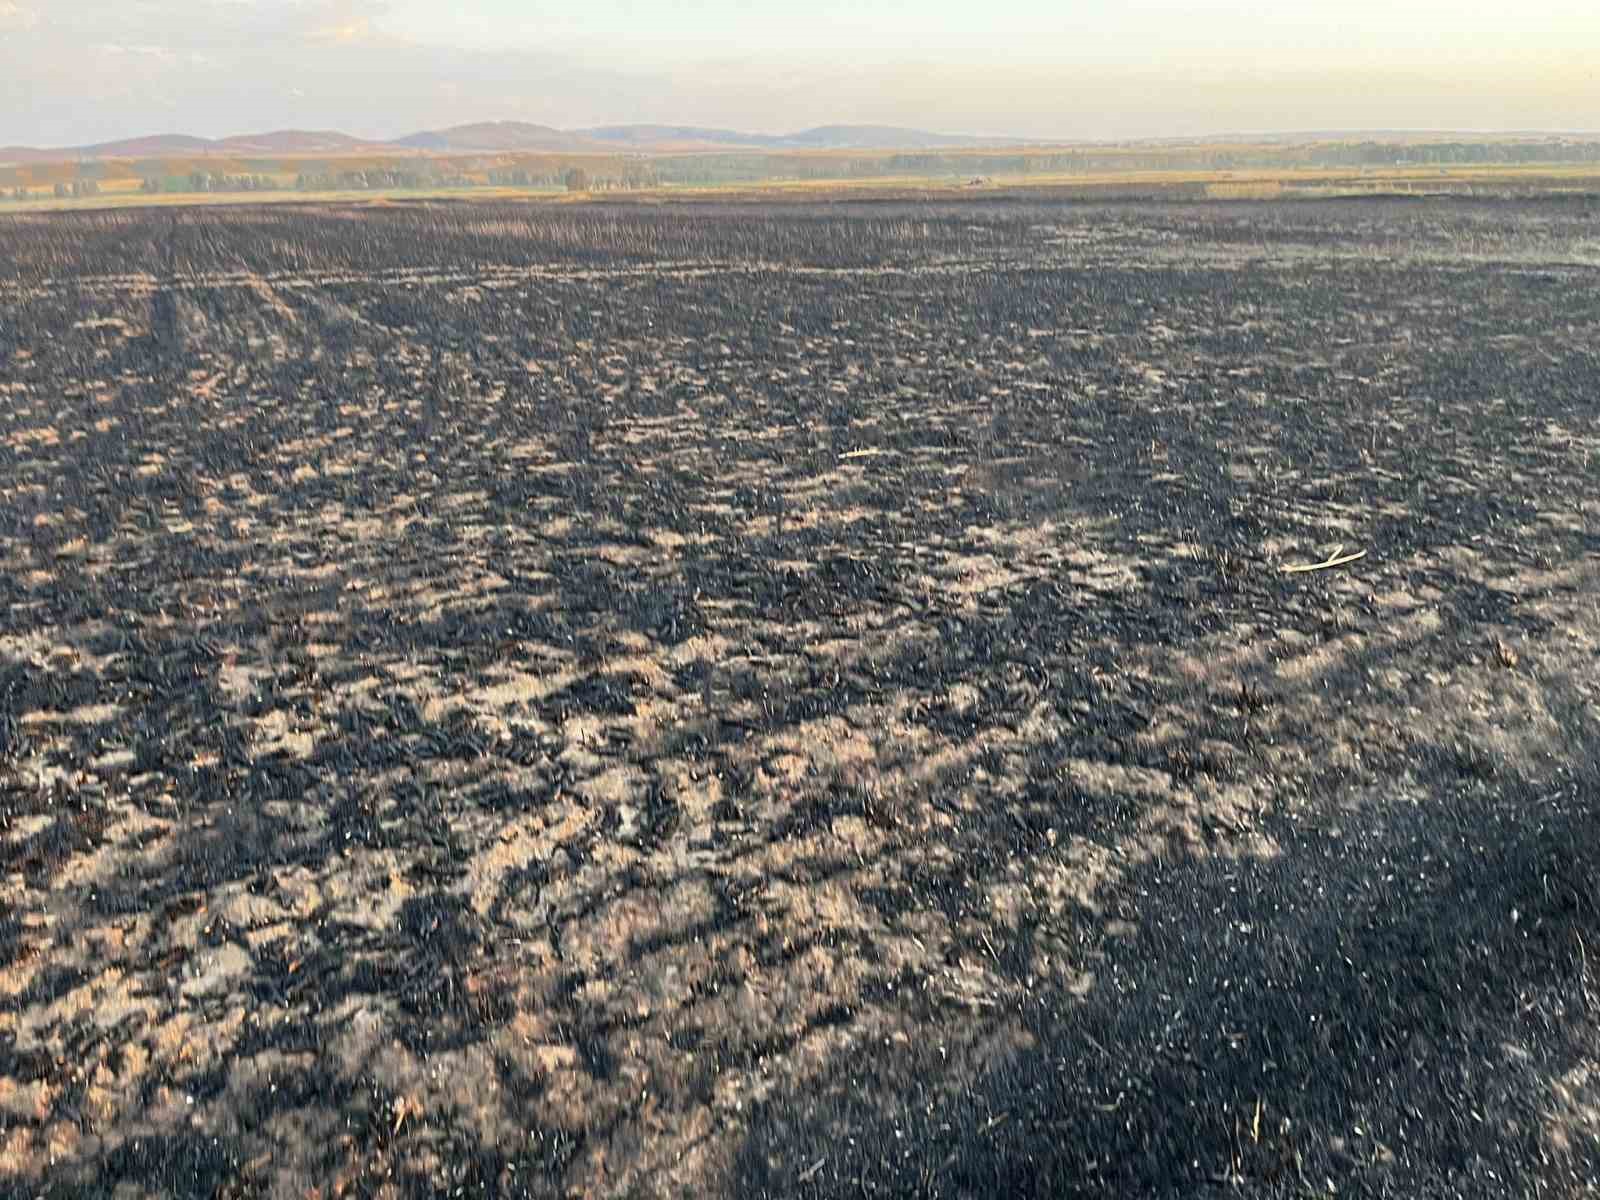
799	701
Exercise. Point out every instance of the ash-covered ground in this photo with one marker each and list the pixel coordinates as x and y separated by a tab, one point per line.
628	701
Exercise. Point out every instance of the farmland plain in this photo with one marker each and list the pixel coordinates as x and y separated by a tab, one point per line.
801	699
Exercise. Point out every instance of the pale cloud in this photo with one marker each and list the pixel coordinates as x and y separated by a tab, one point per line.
80	71
160	52
242	24
339	21
353	31
14	16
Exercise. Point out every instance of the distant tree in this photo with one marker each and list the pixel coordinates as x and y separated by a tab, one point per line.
577	180
638	175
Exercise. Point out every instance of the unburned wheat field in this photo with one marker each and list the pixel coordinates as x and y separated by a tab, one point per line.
801	701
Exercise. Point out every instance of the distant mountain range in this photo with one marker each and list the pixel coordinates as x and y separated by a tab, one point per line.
510	137
177	145
520	137
823	137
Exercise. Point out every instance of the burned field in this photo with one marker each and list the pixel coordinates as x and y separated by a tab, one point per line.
646	702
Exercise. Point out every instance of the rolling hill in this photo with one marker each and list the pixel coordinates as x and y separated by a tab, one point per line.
823	137
656	137
882	137
496	136
177	145
294	141
506	137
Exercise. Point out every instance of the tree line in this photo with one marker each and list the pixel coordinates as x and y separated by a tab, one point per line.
613	174
206	181
60	191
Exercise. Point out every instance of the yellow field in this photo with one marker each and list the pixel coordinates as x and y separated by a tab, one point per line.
133	198
1311	182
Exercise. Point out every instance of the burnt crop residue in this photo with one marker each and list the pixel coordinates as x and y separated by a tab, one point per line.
800	700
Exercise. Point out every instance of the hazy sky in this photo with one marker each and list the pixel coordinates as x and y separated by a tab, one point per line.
75	71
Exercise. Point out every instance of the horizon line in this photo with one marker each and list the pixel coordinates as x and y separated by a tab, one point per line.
1019	140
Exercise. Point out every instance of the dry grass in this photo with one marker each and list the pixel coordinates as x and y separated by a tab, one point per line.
1307	182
